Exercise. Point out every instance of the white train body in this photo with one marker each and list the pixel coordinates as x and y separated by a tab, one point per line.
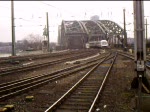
104	43
97	44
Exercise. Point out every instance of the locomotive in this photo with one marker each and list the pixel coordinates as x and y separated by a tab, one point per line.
97	44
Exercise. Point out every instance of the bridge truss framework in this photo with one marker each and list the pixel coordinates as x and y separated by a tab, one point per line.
75	34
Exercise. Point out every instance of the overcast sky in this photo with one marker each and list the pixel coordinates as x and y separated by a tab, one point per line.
30	16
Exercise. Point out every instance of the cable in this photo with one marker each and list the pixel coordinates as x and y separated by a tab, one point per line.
49	5
22	19
29	20
33	25
29	25
56	7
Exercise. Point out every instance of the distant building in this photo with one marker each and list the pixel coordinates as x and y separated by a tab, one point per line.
95	17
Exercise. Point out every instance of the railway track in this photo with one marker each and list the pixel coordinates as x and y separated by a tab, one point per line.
27	57
132	58
6	61
131	55
34	66
14	88
126	55
83	96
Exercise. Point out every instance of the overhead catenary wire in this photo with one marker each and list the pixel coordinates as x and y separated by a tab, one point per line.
61	9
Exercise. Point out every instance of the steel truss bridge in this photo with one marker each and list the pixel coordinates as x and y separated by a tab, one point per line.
75	34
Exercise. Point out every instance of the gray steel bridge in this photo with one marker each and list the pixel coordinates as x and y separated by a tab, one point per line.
75	34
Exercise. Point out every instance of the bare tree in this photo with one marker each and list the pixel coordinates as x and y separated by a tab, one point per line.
33	41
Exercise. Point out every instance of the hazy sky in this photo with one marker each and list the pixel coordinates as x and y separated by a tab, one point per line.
30	16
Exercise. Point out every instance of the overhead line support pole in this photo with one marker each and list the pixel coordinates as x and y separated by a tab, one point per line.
140	47
47	31
146	35
13	28
125	35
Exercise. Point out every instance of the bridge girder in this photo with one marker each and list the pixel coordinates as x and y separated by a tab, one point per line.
114	29
88	30
71	29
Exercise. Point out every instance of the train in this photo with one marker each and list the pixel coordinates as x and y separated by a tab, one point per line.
97	44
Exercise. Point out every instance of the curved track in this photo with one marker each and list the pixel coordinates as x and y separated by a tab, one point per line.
132	57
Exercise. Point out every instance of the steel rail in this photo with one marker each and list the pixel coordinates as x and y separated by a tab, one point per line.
126	55
33	56
36	56
47	56
132	58
148	57
39	76
42	81
102	85
29	67
55	104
